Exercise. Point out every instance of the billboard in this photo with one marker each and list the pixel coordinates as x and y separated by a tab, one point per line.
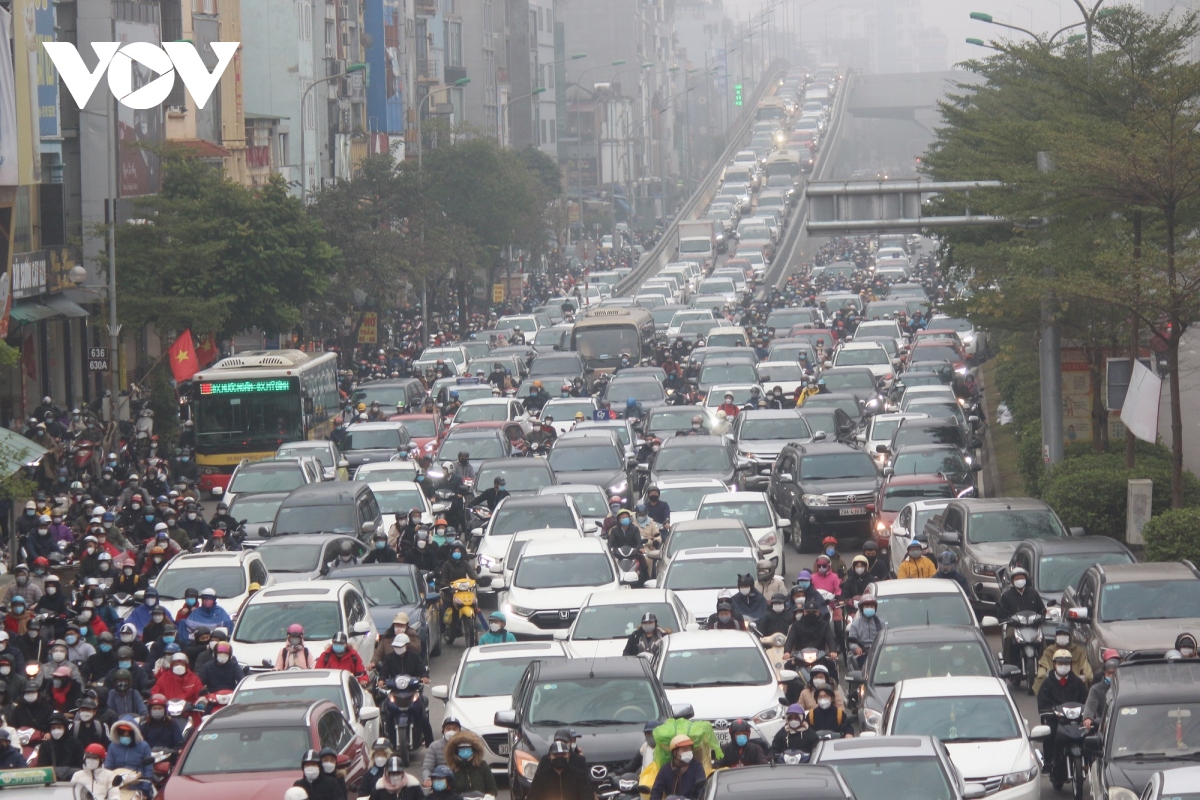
47	75
26	56
137	130
8	105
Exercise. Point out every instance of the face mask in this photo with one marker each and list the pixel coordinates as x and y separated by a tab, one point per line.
625	522
695	426
191	602
125	740
653	498
18	609
148	517
91	764
58	656
1062	670
71	640
152	601
1019	583
457	556
465	753
223	658
128	570
380	761
31	697
125	664
30	512
5	670
312	772
829	551
1062	641
777	607
818	682
179	669
868	612
191	515
157	713
22	580
1108	678
399	650
824	702
824	570
741	739
686	757
649	627
51	590
439	785
859	570
803	584
794	724
1187	652
642	519
559	762
328	767
43	531
106	648
449	733
494	627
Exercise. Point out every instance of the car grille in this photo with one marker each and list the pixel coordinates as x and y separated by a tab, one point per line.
495	741
600	772
848	498
555	619
990	785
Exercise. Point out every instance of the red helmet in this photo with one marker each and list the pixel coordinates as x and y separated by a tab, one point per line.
295	630
829	540
41	561
157	700
94	750
1109	653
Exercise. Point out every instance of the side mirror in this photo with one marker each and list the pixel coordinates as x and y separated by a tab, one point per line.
787	675
651	584
951	537
643	467
888	472
1078	614
506	719
973	791
1040	732
367	713
784	477
692	626
361	628
590	529
989	622
976	443
861	438
561	635
343	464
1078	531
784	523
368	528
681	711
881	448
854	676
1009	670
438	508
264	531
432	597
441	691
976	466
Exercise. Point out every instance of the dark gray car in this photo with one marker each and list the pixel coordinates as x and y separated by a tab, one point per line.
594	460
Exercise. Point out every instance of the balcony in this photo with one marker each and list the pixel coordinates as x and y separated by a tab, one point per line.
429	70
425	8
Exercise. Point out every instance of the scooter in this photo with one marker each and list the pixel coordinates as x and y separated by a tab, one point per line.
1027	640
403	693
629	560
624	787
1070	764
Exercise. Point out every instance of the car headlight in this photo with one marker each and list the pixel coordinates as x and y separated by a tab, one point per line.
872	718
526	764
1018	778
881	526
520	612
768	540
968	338
814	500
1121	793
768	714
487	562
619	488
986	570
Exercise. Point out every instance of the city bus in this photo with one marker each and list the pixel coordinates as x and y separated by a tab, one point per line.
246	405
606	334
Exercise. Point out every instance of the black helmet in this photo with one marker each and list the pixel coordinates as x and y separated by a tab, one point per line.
310	757
745	580
121	675
948	558
649	616
341	638
739	726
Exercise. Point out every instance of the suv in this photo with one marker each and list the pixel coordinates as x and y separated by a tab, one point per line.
368	442
1133	608
330	507
610	699
824	487
271	475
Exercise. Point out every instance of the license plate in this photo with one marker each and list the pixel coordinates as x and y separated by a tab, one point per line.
851	512
503	749
722	737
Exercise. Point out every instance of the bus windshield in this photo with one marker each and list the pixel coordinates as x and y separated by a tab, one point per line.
603	346
251	417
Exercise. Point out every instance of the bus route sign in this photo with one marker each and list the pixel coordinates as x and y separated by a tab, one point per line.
245	387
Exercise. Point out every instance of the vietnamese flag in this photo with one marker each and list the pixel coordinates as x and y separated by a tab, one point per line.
182	354
206	349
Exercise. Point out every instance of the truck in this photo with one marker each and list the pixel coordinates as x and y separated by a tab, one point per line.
699	240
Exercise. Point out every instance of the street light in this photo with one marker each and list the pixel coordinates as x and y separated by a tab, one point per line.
459	82
356	67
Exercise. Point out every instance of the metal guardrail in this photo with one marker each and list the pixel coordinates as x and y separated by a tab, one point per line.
664	252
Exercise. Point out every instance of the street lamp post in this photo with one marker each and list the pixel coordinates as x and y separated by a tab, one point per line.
1088	21
425	99
537	91
352	68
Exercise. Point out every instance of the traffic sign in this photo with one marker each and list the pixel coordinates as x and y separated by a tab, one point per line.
98	359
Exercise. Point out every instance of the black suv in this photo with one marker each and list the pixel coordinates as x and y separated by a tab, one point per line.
824	488
607	700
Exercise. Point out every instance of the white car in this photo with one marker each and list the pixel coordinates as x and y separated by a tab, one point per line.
880	428
380	471
608	619
398	498
754	509
590	501
684	495
910	522
336	685
742	392
913	394
871	355
925	601
757	261
676	324
229	573
521	514
978	722
723	675
483	684
787	375
563	409
502	573
551	582
492	409
699	576
973	340
322	607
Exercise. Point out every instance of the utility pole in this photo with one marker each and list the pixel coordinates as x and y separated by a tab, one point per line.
1050	361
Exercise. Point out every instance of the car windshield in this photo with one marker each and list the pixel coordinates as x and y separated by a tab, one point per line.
1169	599
786	428
566	409
946	324
563	570
549	336
494	677
593	702
956	719
307	692
423	427
858	357
386	590
832	466
897	497
934	352
947	462
733	666
476	447
556	364
597	623
949	433
687	499
706	573
590	503
741	396
580	459
262	478
688	538
693	459
837	381
517	479
1014	526
663	420
780	373
268	622
718	285
820	419
249	748
697	327
296	556
898	662
882	429
391	471
315	519
175	581
754	513
1162	730
321	454
880	777
639	390
509	520
728	373
483	412
911	610
251	509
681	317
1056	573
398	501
381	439
387	395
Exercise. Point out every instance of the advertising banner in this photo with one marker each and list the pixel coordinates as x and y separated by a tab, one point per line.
26	55
8	104
138	128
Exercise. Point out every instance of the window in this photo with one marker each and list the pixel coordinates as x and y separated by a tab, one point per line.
258	573
330	39
545	136
334	731
954	520
356	695
355	610
303	17
1118	381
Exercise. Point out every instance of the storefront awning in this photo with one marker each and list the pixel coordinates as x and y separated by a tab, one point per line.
31	311
16	450
65	307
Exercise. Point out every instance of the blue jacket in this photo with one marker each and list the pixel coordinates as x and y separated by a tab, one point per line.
11	758
140	617
129	703
502	637
130	757
211	618
685	783
164	733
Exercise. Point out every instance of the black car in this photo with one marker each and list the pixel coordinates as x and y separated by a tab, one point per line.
594	460
696	457
824	488
370	442
392	588
931	430
558	363
773	781
608	701
919	652
929	459
848	403
257	511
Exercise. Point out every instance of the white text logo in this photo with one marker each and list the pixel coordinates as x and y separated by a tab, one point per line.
118	61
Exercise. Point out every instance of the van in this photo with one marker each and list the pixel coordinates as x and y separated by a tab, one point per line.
347	507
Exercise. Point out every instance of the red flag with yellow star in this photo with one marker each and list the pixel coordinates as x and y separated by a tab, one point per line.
182	356
206	349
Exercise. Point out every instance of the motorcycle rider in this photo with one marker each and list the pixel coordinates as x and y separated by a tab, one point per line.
179	682
159	730
948	569
223	672
1016	598
464	752
857	579
748	601
1063	641
494	495
1064	686
878	569
208	613
730	408
767	583
725	618
93	777
1097	700
777	619
396	784
380	552
29	590
795	735
537	398
827	715
916	565
10	756
646	638
316	781
541	434
345	557
129	751
403	660
658	509
339	655
865	629
810	630
682	776
556	779
496	633
294	654
740	752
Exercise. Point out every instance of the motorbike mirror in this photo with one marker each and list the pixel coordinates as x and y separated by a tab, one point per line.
1078	614
432	597
438	508
787	675
989	622
682	711
368	528
1040	732
217	491
343	760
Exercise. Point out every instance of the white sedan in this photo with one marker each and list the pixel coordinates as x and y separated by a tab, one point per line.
699	576
608	619
229	573
336	685
754	509
492	409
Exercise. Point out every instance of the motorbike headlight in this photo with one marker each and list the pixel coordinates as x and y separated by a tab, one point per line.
526	764
814	500
872	718
1053	613
1072	712
435	474
1018	778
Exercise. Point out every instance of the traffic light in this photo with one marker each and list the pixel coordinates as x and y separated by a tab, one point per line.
737	94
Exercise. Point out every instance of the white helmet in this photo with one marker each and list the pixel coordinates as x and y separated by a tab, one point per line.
295	793
401	640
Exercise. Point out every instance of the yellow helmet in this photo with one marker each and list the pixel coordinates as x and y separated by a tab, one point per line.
361	407
537	384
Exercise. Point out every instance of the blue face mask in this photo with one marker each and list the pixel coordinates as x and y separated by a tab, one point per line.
106	648
802	584
339	648
125	664
439	785
868	612
829	551
149	517
168	639
125	740
380	545
465	753
624	522
191	602
1108	679
72	639
457	556
741	739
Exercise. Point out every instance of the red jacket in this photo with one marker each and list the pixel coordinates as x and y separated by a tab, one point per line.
178	687
349	661
730	410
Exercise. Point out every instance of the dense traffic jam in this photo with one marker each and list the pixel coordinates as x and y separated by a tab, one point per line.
718	537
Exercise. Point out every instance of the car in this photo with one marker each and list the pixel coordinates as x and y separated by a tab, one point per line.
824	488
925	601
271	475
770	782
564	409
257	513
896	768
909	524
252	751
717	371
940	391
755	511
338	686
931	430
303	557
877	436
384	471
1149	725
742	394
393	588
492	409
551	580
390	392
333	466
936	459
1173	783
835	423
522	513
229	573
761	434
922	651
683	495
699	576
479	440
789	376
503	573
397	499
322	607
980	726
522	476
723	676
974	340
1133	608
851	404
329	507
700	534
607	620
483	685
696	457
590	501
872	355
646	389
370	442
451	352
897	491
592	460
983	533
932	349
609	700
1055	564
426	430
859	381
665	421
686	315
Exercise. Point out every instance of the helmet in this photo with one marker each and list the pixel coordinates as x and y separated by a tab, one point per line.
295	629
739	726
558	748
796	708
341	638
631	402
157	700
440	771
95	749
649	617
947	558
680	741
859	559
537	384
867	599
1109	654
209	592
1061	656
822	561
401	640
829	540
310	757
1015	571
295	793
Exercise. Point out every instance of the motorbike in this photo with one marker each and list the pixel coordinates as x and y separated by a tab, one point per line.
403	692
1070	764
629	560
1025	646
792	757
809	657
164	760
623	787
463	604
28	740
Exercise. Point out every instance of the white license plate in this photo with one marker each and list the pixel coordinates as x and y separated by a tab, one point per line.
503	749
722	737
851	512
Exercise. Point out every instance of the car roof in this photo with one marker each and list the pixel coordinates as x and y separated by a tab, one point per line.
491	401
1162	681
269	462
706	525
355	570
1147	571
324	492
779	780
617	597
382	425
588	544
975	505
201	560
289	712
584	441
713	640
856	345
950	686
1075	544
770	413
917	586
689	483
610	667
702	441
878	747
533	500
312	590
306	538
296	677
721	497
491	652
307	444
513	463
1180	779
394	485
916	480
569	489
827	447
926	634
926	448
257	497
710	553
